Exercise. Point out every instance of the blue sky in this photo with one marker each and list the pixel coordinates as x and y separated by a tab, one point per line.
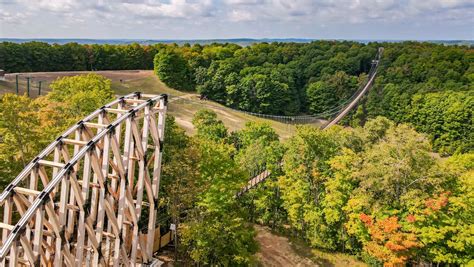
207	19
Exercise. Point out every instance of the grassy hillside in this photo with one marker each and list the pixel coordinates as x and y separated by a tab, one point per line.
182	106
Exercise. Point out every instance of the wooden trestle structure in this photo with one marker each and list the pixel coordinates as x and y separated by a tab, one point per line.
80	201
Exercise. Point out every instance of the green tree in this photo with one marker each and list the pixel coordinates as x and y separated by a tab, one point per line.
218	235
82	94
209	126
173	70
19	128
444	221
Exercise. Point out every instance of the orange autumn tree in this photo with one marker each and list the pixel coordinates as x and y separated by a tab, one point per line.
388	243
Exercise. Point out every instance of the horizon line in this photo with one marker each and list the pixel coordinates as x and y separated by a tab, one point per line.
234	38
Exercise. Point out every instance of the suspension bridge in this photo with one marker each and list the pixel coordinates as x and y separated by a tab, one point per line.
339	114
90	197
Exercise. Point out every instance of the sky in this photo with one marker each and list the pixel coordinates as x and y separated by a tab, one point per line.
215	19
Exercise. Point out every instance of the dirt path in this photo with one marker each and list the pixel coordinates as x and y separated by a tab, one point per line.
277	251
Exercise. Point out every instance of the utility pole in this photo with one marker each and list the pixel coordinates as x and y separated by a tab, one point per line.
28	86
17	91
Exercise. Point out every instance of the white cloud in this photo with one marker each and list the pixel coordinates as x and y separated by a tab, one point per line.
52	5
173	9
244	2
12	18
241	15
221	15
343	11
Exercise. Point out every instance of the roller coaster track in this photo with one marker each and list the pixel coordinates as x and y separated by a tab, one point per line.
265	174
80	201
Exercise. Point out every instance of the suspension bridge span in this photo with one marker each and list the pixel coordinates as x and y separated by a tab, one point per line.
340	113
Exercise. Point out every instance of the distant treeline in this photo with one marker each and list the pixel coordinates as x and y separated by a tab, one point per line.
39	56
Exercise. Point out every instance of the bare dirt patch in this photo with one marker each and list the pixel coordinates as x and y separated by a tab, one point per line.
277	250
124	75
117	77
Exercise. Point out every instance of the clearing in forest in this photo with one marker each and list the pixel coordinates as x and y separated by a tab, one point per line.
277	250
127	81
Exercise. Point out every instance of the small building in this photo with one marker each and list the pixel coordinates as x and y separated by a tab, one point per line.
2	75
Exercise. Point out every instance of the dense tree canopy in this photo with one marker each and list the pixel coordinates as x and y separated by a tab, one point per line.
173	70
427	85
38	56
375	190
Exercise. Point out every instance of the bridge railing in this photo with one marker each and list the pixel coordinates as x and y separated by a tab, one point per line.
360	93
80	200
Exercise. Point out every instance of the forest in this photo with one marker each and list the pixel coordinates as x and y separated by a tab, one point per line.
430	86
426	85
384	189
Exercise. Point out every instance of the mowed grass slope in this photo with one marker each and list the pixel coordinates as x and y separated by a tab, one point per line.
124	82
184	105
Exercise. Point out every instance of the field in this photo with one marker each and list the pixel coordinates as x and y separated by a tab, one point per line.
182	106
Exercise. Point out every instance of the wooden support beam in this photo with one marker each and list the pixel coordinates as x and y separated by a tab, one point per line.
82	215
51	163
26	191
134	101
95	125
74	142
6	226
121	162
38	234
101	173
115	110
141	146
28	251
14	258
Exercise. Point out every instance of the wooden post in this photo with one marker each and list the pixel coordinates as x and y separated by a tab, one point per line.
39	87
38	234
101	174
58	256
140	148
82	214
14	254
7	219
28	86
16	83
